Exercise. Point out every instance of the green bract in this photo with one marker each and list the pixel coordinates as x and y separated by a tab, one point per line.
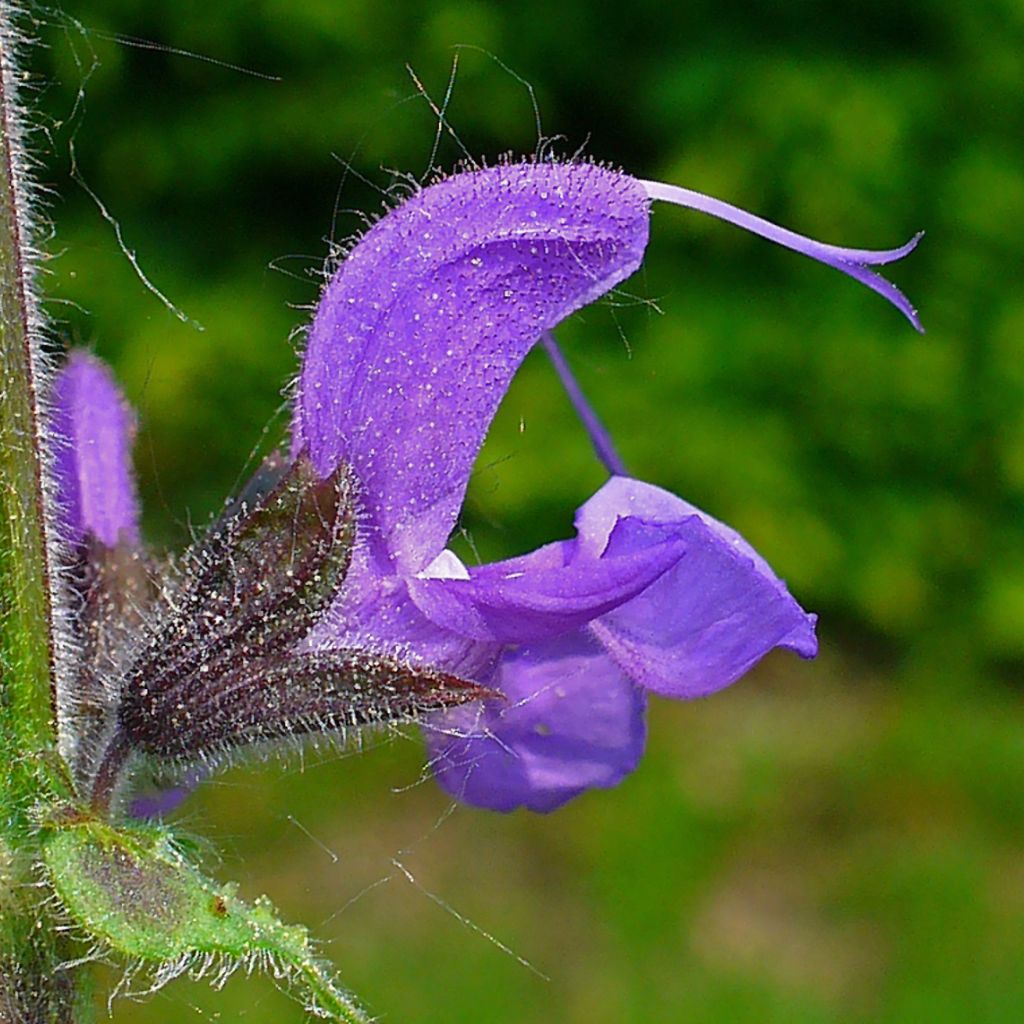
136	893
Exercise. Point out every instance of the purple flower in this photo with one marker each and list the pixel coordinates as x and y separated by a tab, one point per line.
326	596
414	343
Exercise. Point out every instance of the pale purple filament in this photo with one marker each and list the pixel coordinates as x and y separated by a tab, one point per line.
596	430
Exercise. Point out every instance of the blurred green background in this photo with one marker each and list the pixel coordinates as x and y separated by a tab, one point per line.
834	841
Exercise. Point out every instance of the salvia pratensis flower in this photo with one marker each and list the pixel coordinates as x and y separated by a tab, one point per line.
325	598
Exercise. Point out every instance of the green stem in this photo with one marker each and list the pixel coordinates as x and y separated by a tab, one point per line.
33	986
26	638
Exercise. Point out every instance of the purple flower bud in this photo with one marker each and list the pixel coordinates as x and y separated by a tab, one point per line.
93	429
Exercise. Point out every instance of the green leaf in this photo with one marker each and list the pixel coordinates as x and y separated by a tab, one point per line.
134	891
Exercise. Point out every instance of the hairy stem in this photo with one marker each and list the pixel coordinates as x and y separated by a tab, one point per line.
34	988
26	634
328	999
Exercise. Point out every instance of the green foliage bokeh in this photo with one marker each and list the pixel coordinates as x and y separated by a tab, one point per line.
880	471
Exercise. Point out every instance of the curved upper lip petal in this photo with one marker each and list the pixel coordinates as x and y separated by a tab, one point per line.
420	331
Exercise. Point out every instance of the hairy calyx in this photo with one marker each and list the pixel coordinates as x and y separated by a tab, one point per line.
197	661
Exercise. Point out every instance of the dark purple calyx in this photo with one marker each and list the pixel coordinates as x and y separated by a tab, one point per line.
215	664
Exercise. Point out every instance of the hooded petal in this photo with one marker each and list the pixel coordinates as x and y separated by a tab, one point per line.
572	721
708	619
93	430
420	331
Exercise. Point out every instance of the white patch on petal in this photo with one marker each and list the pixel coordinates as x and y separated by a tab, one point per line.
446	566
